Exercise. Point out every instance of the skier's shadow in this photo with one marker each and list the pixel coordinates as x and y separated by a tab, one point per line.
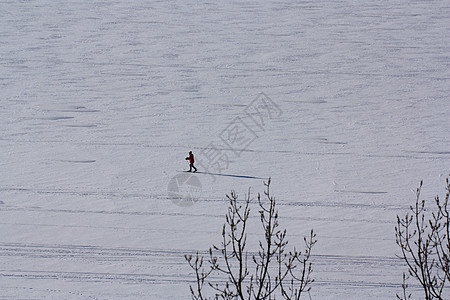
231	175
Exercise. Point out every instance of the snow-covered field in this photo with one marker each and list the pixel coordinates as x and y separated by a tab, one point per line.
100	102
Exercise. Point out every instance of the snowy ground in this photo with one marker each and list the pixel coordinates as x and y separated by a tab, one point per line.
101	101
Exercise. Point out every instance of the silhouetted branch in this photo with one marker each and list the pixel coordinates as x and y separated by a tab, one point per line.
425	247
288	278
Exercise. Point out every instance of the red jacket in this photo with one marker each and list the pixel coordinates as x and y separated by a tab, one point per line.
191	158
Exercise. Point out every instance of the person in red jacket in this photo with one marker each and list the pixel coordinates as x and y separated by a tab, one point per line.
191	162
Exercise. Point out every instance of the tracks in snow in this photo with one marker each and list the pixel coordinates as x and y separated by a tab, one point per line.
166	197
168	266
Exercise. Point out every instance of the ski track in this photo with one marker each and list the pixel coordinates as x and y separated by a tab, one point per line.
169	261
282	202
160	266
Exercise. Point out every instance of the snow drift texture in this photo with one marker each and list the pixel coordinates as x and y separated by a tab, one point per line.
101	101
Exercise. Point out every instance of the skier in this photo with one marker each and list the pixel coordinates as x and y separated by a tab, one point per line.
191	162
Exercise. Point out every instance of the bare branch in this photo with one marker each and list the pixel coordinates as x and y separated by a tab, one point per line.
275	270
424	242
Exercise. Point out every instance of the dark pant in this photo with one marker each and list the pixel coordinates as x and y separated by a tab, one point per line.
191	165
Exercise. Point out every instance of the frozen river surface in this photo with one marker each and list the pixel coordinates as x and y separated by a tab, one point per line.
100	102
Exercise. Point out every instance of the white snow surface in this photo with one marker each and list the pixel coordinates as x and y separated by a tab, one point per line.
100	102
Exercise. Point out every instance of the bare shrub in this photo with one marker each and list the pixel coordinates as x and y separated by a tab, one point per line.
424	241
272	272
